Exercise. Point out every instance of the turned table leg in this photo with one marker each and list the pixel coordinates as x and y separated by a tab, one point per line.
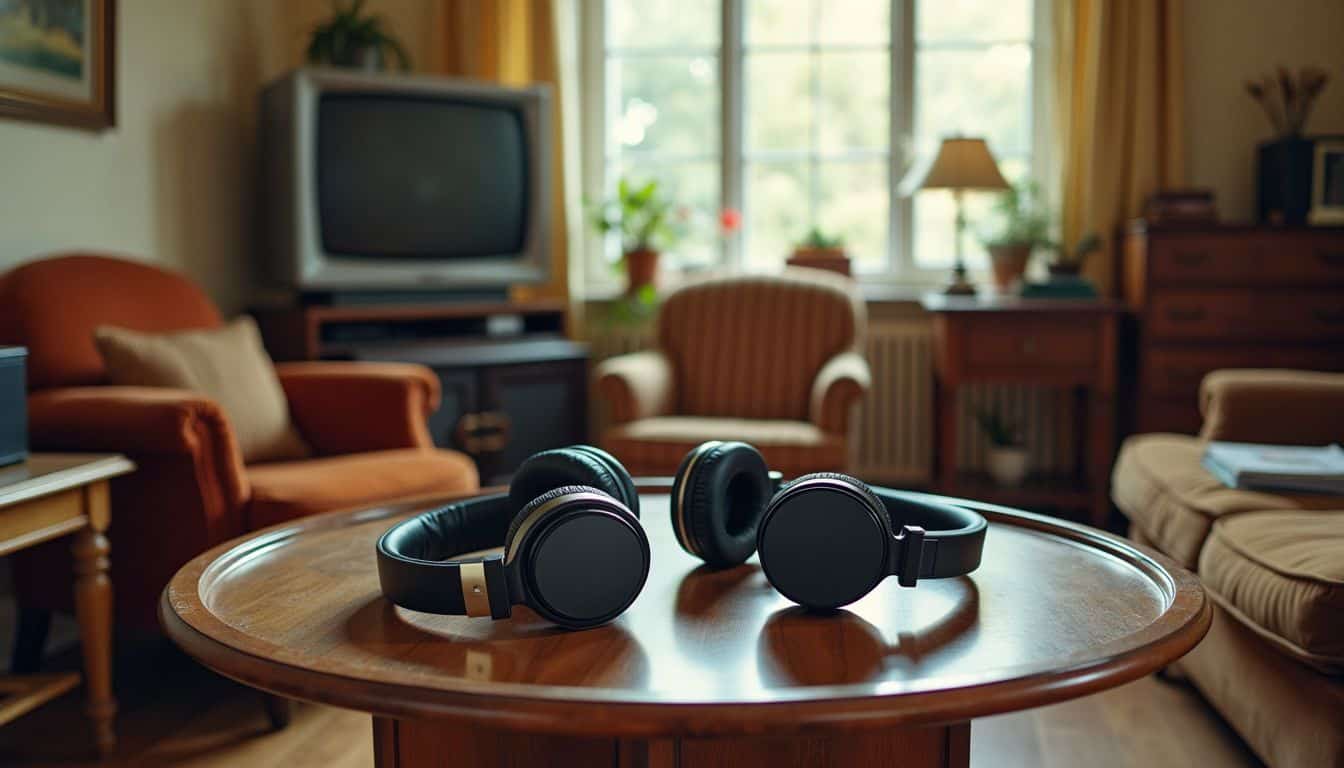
93	609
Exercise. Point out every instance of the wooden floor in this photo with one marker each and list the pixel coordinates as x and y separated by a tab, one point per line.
174	713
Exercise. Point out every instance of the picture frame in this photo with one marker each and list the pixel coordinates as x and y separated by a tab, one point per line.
1327	183
57	62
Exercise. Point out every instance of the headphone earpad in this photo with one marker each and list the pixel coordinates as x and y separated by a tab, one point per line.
726	491
575	465
532	505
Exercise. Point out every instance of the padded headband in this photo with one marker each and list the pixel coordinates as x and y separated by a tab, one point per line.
953	537
416	558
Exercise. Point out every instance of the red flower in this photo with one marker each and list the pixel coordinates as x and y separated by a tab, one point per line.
730	219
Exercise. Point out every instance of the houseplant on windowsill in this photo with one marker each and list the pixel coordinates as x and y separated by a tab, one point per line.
1021	226
647	222
1007	453
821	250
350	40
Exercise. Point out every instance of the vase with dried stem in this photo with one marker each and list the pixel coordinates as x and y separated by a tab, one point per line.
1287	99
1284	164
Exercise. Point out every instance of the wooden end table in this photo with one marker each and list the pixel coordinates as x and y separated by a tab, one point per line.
707	668
1066	344
43	498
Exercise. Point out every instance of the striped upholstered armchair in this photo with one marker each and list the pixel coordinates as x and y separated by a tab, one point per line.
772	360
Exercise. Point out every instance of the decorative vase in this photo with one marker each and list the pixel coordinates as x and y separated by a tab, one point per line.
1008	464
641	270
833	259
1283	176
1010	264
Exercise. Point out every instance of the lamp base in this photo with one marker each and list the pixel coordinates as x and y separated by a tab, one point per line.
959	286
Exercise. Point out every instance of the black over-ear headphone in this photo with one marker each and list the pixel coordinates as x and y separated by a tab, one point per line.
824	539
574	550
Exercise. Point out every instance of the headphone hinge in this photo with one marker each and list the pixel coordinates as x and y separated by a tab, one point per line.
497	588
912	555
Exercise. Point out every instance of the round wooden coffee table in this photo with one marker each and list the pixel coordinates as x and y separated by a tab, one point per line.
707	668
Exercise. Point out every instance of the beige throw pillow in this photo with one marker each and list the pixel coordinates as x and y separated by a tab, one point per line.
228	365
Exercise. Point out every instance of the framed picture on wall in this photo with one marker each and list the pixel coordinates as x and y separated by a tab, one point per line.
1327	188
56	61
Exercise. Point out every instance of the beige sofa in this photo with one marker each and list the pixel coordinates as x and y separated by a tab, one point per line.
1273	564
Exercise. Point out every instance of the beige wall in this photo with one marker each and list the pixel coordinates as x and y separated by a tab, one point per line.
173	182
1229	41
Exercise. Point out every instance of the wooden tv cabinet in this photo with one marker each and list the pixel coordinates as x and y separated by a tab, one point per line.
513	384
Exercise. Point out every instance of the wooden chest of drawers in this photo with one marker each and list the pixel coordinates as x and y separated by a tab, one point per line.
1223	296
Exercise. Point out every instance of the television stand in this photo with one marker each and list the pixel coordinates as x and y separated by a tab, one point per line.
406	298
512	383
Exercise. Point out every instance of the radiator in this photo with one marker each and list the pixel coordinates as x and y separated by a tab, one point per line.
892	437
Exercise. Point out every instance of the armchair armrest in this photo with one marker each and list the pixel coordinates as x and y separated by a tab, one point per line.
842	381
143	422
342	407
1273	406
637	386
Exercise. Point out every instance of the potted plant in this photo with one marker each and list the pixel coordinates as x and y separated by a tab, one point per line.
646	222
1068	263
350	39
1007	453
821	250
1022	225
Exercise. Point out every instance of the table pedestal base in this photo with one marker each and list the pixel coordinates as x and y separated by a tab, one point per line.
439	744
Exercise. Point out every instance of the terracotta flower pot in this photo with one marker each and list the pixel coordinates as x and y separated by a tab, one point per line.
833	259
1010	263
641	269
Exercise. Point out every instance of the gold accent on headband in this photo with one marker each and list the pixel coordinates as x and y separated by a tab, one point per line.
475	593
682	536
537	513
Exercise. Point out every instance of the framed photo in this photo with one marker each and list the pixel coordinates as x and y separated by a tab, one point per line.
56	61
1327	183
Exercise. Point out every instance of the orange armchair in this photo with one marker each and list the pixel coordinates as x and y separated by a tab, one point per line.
772	360
191	490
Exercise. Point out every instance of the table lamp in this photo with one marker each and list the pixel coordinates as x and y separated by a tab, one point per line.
961	164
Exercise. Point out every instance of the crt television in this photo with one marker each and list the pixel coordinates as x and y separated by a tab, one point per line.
389	183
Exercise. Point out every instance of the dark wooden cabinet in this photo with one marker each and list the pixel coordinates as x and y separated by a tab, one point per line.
505	395
1224	296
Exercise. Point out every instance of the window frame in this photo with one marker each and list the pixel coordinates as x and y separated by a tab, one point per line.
900	265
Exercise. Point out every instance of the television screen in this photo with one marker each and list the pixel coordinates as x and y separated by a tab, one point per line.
413	177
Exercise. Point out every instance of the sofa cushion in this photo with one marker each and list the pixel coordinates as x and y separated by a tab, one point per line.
1282	574
1161	487
287	490
656	446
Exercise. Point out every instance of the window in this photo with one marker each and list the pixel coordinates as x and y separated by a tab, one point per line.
807	113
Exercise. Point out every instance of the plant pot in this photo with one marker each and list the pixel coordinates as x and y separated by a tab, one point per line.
833	259
368	58
1007	464
641	270
1010	263
1071	269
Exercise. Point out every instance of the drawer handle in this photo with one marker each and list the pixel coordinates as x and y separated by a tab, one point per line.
1185	314
1190	258
1329	316
484	432
1330	258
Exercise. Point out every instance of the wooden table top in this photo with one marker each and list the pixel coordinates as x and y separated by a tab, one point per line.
1055	611
47	473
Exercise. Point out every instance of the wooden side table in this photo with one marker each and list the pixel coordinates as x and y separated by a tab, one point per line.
1059	343
43	498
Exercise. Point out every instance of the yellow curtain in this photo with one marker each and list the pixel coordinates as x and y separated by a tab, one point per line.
1118	104
514	42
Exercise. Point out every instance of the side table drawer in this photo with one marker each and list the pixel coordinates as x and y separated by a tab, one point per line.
992	345
1242	314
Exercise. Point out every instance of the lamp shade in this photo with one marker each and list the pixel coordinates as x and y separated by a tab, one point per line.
961	163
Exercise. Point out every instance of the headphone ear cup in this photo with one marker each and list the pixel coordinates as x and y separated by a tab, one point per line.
724	490
575	465
534	504
858	484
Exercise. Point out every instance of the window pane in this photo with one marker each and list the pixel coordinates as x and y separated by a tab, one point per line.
855	91
693	189
854	205
778	91
778	22
865	22
663	103
662	23
968	20
776	214
979	92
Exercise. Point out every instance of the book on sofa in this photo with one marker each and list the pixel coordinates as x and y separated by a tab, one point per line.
1252	466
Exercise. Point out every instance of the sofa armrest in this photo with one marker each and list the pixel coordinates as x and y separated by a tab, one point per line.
344	407
143	422
841	382
1273	406
637	386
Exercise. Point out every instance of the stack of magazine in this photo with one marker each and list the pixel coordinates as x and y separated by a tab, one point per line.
1252	466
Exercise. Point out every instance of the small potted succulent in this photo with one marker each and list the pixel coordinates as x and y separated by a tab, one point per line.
647	222
350	39
1007	452
821	250
1021	226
